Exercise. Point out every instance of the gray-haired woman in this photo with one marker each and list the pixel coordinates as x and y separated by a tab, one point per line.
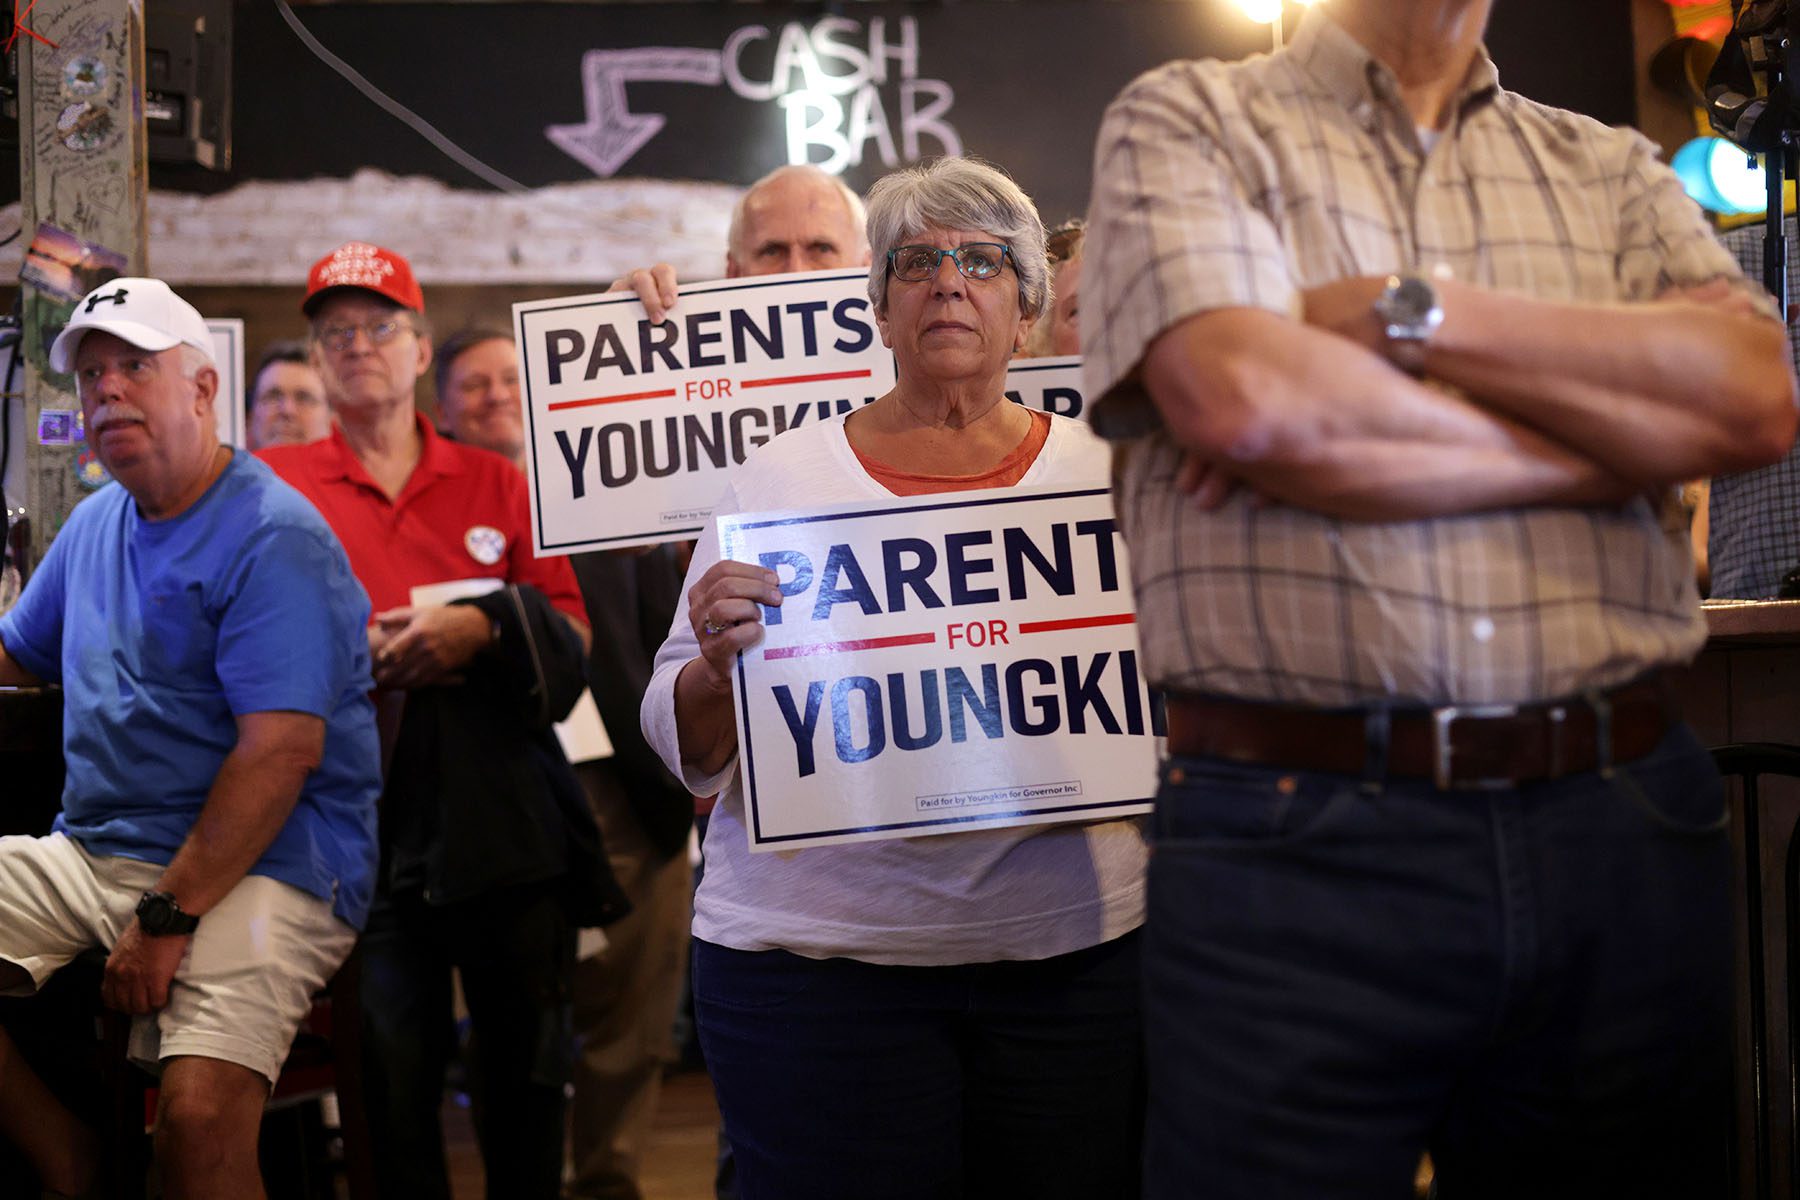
927	1017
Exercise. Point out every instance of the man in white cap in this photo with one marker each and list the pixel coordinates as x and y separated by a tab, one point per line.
217	832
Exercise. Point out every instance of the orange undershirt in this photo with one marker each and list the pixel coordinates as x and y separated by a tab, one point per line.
1005	473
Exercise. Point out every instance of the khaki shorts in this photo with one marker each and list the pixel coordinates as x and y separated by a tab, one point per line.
250	972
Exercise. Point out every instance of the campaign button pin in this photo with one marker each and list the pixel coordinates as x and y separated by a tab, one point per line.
485	544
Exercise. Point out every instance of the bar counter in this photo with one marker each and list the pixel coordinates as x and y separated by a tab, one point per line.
1745	686
31	766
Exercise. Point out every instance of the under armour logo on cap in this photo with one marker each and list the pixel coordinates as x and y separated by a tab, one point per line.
141	312
117	297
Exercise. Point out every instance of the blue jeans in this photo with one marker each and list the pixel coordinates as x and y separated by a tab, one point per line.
1533	984
839	1078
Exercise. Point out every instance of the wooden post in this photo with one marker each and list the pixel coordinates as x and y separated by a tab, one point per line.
82	169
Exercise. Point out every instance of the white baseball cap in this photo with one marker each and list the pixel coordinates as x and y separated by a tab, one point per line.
143	312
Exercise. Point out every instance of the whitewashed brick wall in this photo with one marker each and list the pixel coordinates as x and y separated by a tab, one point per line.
271	233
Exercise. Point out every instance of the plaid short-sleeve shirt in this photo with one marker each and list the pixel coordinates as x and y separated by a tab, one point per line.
1223	185
1754	536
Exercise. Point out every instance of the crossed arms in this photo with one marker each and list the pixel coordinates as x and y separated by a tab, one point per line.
1528	402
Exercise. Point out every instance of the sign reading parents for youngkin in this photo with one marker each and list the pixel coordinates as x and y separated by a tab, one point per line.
941	664
632	429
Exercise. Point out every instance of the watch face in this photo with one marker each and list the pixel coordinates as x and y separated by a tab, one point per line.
158	914
154	913
1413	299
1409	308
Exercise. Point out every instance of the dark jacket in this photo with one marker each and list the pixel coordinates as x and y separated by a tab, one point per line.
631	599
479	796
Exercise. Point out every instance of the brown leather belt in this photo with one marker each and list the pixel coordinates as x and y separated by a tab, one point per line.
1458	746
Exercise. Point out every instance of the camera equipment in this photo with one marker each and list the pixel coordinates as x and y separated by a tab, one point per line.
1753	101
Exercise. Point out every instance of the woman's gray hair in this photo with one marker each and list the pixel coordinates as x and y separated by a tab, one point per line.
958	193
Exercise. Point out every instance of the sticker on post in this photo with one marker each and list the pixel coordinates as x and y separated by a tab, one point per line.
56	427
83	76
60	264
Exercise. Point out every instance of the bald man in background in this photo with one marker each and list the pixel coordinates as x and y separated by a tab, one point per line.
795	218
792	219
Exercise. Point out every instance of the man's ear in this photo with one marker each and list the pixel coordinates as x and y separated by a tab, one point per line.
206	387
424	341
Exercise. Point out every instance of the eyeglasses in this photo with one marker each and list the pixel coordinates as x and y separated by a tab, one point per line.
339	338
976	260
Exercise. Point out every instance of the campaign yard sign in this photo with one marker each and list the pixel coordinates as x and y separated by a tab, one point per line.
941	663
633	429
1052	384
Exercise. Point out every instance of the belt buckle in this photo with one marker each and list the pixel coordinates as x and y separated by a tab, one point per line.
1441	751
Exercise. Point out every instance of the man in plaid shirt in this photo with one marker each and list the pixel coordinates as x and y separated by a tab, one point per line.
1403	368
1754	528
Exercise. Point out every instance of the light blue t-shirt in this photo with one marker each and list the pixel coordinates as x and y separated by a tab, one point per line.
163	632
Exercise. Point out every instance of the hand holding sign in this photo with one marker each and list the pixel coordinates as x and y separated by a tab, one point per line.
724	607
655	286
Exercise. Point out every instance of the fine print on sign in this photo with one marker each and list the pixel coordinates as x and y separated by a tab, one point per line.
633	429
939	665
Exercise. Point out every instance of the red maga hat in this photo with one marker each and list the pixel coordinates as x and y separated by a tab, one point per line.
366	266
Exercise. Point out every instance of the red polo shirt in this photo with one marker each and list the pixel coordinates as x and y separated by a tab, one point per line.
463	514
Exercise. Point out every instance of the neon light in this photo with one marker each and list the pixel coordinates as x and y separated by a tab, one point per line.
1720	177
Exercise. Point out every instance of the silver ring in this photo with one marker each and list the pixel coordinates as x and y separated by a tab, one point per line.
709	627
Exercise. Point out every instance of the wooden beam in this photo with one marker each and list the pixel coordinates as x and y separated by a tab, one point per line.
81	169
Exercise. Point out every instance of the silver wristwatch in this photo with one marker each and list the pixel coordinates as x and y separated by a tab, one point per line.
1410	313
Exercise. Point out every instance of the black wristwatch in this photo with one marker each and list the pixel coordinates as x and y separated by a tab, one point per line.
1410	313
159	916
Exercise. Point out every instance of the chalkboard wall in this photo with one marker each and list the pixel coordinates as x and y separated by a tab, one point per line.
1020	83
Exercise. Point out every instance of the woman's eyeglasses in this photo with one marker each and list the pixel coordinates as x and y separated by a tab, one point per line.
976	260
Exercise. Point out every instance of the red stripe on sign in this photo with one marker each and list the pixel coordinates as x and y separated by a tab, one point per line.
904	639
787	379
1077	623
559	406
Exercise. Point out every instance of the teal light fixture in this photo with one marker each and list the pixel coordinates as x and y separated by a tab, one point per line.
1720	177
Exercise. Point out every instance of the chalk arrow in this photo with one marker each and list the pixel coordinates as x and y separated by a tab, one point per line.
613	133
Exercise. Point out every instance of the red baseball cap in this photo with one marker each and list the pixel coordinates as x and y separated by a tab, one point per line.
365	266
